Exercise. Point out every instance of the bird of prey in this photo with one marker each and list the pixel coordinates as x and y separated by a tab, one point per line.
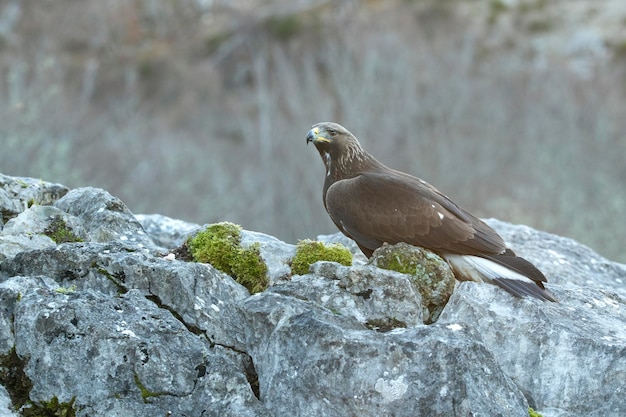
373	205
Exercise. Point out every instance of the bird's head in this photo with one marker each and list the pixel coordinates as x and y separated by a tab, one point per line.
340	150
333	139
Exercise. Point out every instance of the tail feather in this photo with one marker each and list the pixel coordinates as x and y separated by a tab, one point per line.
520	289
519	265
509	272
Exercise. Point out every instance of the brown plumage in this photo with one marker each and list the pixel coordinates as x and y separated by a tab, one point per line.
373	204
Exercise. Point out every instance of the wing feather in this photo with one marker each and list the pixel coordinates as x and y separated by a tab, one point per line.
391	207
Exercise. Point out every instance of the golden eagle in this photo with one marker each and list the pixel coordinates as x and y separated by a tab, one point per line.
373	205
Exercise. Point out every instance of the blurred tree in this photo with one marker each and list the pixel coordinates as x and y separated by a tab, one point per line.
199	109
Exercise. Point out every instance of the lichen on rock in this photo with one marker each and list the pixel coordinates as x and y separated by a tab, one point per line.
431	274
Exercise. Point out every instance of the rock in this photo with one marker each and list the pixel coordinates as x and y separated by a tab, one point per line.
431	274
11	245
197	293
5	404
105	218
114	351
90	281
83	280
19	193
37	219
556	353
31	230
357	256
378	299
564	261
276	254
171	233
114	322
166	232
312	362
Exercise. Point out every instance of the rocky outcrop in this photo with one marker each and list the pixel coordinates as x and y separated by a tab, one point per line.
97	315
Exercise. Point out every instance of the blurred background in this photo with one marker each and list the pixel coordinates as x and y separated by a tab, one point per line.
198	109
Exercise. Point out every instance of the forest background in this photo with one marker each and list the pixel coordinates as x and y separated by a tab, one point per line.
199	109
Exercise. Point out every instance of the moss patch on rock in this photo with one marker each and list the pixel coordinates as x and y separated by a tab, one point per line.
52	408
432	275
13	378
145	392
309	251
60	232
18	386
220	245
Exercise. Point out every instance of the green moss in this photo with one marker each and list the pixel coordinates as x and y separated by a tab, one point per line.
52	408
18	386
145	392
533	413
116	279
220	246
217	245
308	252
431	274
249	269
64	290
13	378
58	231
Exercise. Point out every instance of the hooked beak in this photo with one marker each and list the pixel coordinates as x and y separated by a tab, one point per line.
315	135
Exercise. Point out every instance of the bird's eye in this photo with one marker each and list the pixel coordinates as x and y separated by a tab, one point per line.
332	133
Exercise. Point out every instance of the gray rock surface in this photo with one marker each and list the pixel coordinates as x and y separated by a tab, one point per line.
126	330
105	218
313	362
5	404
19	193
564	261
377	298
127	348
166	232
557	354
